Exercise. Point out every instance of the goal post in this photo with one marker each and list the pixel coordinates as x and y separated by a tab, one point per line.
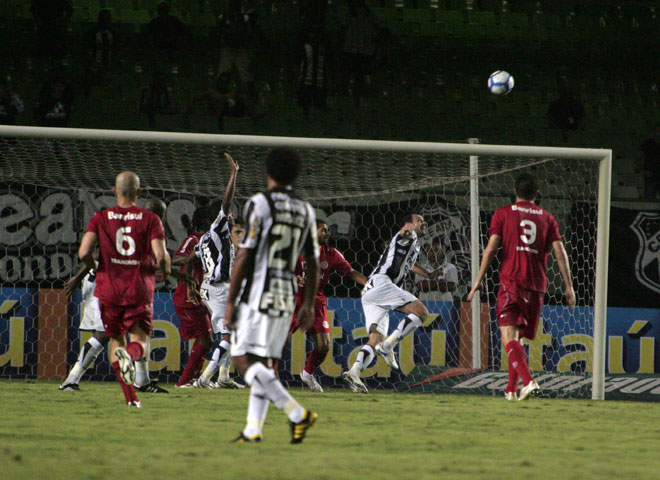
360	187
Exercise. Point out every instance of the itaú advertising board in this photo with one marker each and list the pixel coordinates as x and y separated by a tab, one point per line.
39	338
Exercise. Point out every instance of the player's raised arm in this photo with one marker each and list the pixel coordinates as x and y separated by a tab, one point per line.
228	198
562	261
489	254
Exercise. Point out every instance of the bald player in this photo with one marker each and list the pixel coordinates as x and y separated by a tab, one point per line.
130	239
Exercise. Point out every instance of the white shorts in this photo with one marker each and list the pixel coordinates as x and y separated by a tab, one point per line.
90	319
215	299
258	333
379	297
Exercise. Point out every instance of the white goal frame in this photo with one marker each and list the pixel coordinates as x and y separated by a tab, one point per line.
471	150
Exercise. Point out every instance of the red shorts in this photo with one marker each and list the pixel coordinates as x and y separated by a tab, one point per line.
519	306
119	319
195	321
320	325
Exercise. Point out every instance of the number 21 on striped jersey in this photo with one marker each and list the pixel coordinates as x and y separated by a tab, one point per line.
284	250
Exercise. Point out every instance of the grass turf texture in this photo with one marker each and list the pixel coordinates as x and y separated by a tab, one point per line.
45	433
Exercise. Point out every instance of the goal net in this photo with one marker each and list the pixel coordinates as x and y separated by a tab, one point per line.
53	180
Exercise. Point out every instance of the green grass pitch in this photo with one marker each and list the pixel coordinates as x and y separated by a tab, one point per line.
48	434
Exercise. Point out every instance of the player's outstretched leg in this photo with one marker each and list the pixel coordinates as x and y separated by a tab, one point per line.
222	347
194	364
511	392
86	358
300	419
415	312
142	381
352	377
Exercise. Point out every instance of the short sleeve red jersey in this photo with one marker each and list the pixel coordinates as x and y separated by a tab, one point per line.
330	260
126	275
527	233
180	297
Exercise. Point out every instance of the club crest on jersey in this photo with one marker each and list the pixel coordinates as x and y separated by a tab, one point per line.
647	266
324	265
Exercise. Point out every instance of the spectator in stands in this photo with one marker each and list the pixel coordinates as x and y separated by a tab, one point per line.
360	45
313	79
566	113
225	101
313	14
102	41
649	163
10	103
237	32
166	33
156	98
55	103
51	19
99	46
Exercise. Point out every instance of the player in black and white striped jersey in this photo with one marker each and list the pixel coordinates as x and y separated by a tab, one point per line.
383	292
262	295
216	251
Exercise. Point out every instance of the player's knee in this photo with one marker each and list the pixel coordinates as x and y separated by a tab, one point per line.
420	310
323	349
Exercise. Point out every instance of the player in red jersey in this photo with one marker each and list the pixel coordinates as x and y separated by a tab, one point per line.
330	260
194	316
130	238
526	233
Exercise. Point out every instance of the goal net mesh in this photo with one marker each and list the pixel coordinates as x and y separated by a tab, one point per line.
51	188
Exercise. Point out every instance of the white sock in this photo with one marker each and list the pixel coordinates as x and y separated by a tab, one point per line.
86	357
407	325
211	368
257	410
364	358
142	371
273	389
224	362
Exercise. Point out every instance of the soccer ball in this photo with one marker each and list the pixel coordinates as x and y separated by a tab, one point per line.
500	82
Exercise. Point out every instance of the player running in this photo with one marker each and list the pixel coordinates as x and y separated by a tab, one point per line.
280	226
383	292
330	260
128	236
526	232
216	251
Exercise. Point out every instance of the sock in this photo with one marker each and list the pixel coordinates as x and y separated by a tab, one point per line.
407	325
225	361
194	363
273	389
135	350
314	359
512	386
87	355
517	359
364	358
257	410
129	391
212	366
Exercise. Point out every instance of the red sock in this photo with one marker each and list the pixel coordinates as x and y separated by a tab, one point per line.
194	364
135	350
517	359
129	391
512	386
313	361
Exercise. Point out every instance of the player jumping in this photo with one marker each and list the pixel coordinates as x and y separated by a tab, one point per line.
526	232
330	260
383	292
216	251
